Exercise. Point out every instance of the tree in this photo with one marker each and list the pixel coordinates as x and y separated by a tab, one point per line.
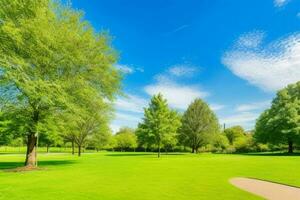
199	124
47	54
160	123
5	136
101	139
233	133
126	139
280	124
220	142
91	116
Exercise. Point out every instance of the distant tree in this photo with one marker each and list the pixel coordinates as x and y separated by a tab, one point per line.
48	53
233	133
160	123
101	139
220	142
280	124
126	139
86	120
199	124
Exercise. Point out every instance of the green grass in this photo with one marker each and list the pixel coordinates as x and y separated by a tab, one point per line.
22	149
139	176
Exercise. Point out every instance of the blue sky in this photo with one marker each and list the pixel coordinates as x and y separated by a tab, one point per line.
233	54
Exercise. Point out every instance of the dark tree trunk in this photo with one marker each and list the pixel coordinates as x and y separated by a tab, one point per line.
73	147
193	150
47	148
31	151
158	154
291	147
79	150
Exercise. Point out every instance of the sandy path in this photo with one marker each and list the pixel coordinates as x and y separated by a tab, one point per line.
267	190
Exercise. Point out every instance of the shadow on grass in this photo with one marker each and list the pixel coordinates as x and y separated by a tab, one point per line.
271	154
142	154
11	165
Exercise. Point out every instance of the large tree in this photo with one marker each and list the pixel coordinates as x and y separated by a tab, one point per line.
47	54
280	124
199	124
160	123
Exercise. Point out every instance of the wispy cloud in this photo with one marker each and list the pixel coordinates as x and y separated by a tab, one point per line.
216	107
269	67
180	28
131	103
126	69
245	119
279	3
253	106
124	119
250	40
178	95
183	70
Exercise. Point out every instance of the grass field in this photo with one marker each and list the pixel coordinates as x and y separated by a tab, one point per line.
140	176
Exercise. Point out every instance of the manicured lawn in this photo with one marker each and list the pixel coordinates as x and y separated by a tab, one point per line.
139	176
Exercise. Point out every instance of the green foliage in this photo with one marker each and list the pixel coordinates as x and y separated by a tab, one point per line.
100	140
234	133
126	139
51	63
5	136
280	124
220	143
199	124
160	124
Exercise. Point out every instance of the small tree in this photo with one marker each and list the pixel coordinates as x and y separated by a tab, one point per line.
199	124
101	139
233	133
126	139
280	124
159	124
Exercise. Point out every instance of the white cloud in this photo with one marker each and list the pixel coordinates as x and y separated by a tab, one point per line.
131	103
124	119
269	67
253	106
126	69
279	3
245	119
216	107
182	70
178	95
251	40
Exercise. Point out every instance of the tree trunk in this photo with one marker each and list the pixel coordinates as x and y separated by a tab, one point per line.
79	150
47	148
158	154
291	147
73	147
31	151
193	150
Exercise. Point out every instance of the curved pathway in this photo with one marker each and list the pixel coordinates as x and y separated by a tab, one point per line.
267	190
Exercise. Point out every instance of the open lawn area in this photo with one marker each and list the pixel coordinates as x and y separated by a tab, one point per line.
134	176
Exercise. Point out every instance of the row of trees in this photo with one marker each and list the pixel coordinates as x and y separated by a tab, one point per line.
164	127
